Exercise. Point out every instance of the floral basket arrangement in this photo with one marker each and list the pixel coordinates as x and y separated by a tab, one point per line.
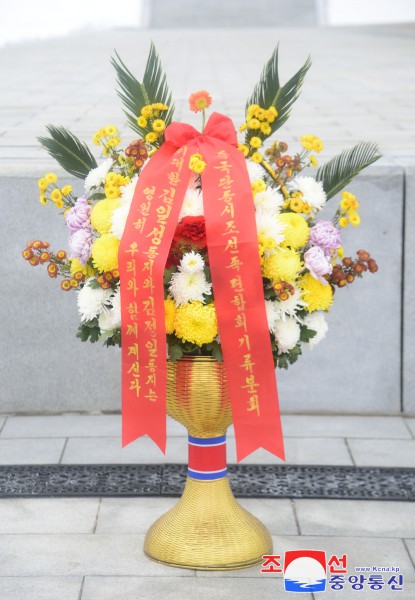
205	258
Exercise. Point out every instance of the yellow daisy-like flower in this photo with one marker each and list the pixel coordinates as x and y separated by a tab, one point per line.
343	222
258	186
112	191
113	142
354	218
101	214
282	266
42	199
170	313
76	267
196	163
297	205
51	178
243	127
244	149
105	252
147	111
110	130
254	124
151	137
66	190
42	184
196	323
312	142
56	196
111	178
296	232
142	121
96	138
317	295
265	128
255	142
257	157
313	160
345	204
159	125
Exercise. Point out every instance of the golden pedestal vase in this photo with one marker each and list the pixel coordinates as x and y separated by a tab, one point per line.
207	529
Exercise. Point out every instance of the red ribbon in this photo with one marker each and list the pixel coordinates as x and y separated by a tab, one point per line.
236	278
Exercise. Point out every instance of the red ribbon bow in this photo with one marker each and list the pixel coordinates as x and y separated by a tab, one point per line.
236	278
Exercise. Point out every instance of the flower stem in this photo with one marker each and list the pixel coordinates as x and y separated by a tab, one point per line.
203	120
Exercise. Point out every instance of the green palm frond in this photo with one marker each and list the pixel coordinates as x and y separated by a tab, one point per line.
68	150
135	95
269	92
336	173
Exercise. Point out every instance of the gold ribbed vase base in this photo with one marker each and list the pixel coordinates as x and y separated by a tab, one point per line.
208	530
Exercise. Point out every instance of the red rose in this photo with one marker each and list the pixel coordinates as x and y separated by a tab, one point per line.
191	231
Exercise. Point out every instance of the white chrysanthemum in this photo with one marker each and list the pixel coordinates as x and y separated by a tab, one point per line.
92	301
269	200
287	334
96	176
317	323
192	262
186	287
268	226
312	191
192	204
254	170
110	318
119	219
289	307
270	308
127	191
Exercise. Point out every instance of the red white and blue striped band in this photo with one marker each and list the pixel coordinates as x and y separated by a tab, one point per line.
207	458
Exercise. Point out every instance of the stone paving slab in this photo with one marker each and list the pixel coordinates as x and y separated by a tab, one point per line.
385	453
108	450
359	518
31	452
131	588
79	554
346	426
40	588
45	515
135	515
411	425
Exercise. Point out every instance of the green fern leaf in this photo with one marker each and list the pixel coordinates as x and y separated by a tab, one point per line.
134	95
68	150
341	169
269	92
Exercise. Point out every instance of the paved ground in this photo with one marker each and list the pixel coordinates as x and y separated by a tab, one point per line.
91	549
360	85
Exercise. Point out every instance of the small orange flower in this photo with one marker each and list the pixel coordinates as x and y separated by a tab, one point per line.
200	100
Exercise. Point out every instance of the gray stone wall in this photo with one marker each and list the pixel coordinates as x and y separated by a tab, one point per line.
357	369
231	13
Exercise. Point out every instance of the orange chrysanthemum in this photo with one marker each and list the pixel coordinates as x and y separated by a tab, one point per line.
200	100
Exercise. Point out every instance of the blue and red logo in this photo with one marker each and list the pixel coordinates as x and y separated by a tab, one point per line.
305	571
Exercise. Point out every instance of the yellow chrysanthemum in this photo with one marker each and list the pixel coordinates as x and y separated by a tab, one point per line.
317	295
296	230
51	178
312	142
257	157
265	128
196	323
112	191
42	184
66	190
343	222
110	130
354	218
101	214
313	160
254	124
151	137
170	313
282	266
147	111
159	125
258	186
105	252
255	142
42	199
76	267
142	121
244	149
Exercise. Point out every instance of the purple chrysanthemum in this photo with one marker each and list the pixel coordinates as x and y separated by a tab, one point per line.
77	217
325	235
80	243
